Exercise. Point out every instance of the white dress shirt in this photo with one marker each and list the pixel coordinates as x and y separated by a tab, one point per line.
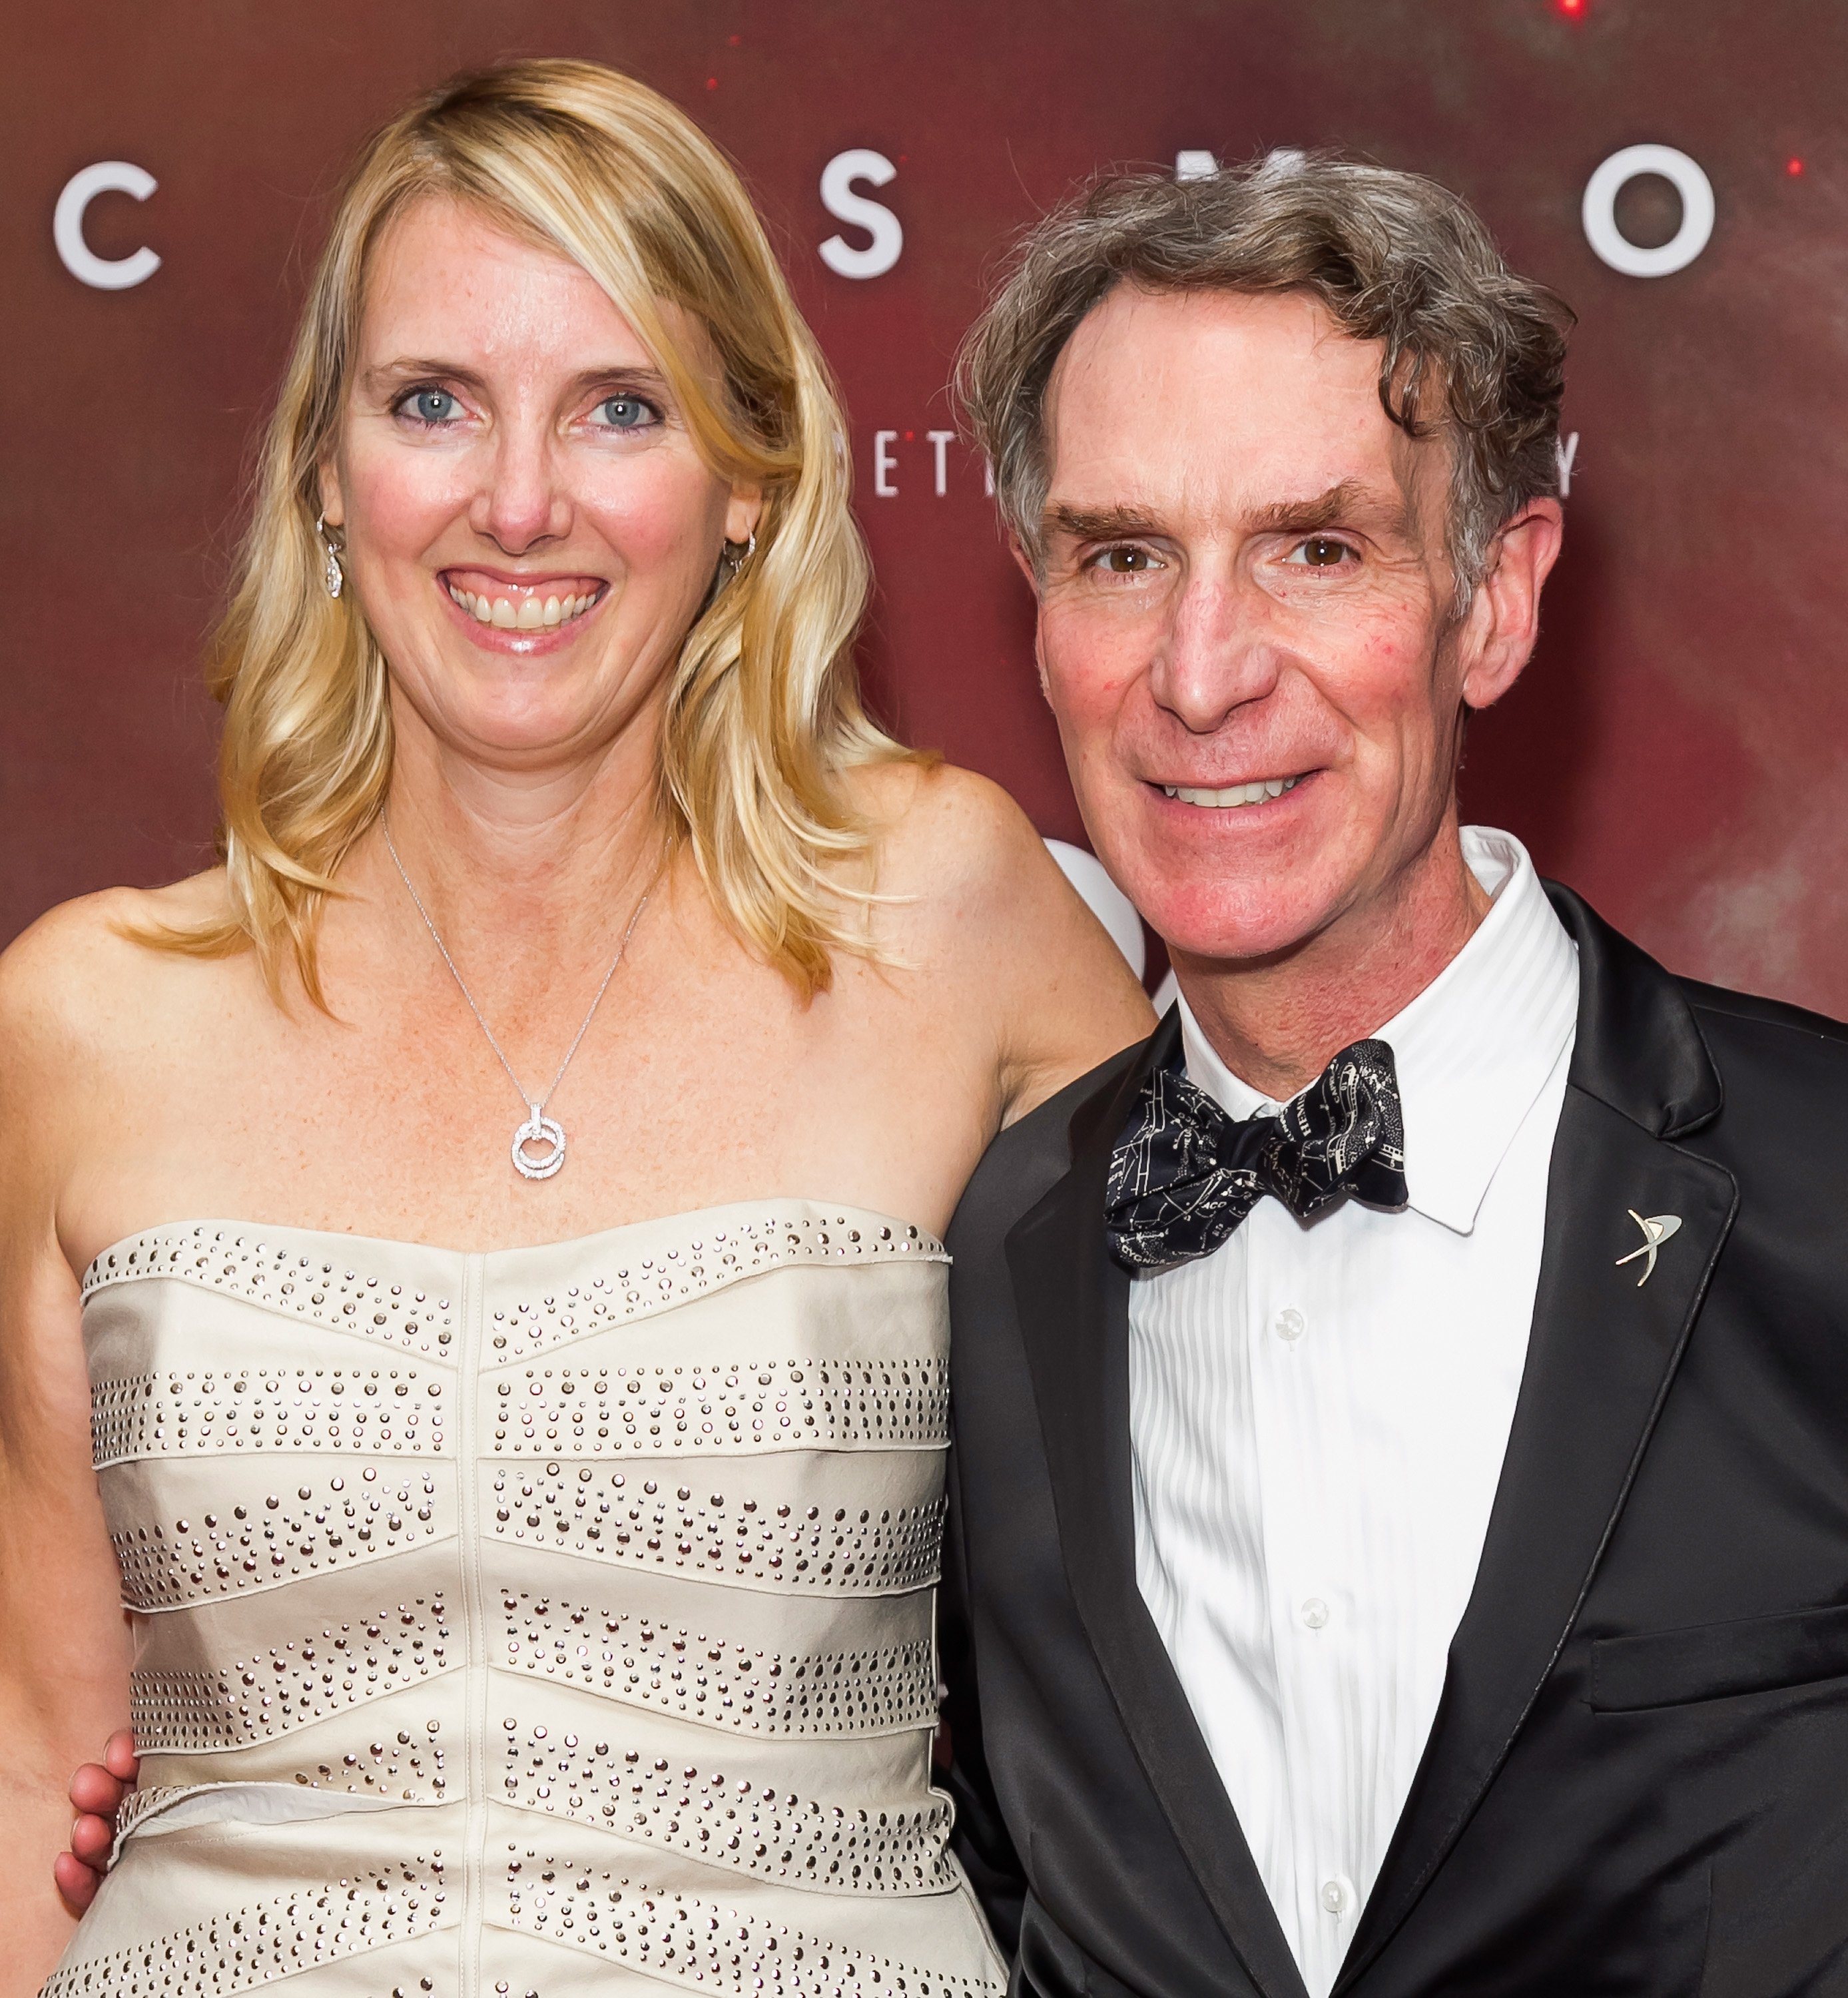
1319	1410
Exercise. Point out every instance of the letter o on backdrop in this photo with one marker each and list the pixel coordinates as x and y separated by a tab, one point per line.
106	274
1599	211
838	197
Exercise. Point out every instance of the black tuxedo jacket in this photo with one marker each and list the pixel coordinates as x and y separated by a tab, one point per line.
1637	1781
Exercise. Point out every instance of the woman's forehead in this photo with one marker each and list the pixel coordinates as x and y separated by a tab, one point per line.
445	270
444	262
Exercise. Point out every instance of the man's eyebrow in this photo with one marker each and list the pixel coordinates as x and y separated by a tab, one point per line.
1100	523
1347	500
1341	502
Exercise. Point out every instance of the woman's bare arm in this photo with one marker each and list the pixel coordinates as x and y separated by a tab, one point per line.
1019	951
63	1641
1074	1001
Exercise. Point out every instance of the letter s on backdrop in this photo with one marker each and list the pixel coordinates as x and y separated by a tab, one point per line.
838	197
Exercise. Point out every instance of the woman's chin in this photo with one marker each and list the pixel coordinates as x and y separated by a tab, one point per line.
512	719
522	738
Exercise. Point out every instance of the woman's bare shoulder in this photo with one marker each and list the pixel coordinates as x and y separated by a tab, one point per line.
976	897
944	833
85	970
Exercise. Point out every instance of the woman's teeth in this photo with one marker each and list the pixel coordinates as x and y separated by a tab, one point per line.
528	614
1234	794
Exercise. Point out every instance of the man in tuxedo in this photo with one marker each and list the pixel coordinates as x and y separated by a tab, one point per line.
1399	1510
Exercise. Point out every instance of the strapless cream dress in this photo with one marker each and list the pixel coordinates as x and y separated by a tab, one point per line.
531	1624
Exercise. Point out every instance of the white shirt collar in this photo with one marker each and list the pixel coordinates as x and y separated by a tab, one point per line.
1473	1050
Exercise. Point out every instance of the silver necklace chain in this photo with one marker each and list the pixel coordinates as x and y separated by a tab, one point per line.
538	1129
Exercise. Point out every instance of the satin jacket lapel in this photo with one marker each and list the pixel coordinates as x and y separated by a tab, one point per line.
1601	1357
1073	1306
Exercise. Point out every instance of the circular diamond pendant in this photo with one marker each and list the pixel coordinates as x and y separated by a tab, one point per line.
538	1129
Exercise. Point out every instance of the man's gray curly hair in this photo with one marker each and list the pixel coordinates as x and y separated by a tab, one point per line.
1469	349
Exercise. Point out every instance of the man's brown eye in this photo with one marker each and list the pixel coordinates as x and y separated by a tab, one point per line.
1127	561
1321	553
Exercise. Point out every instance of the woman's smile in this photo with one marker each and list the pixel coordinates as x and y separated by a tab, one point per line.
525	614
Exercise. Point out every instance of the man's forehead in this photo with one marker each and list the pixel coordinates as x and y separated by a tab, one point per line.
1225	403
1147	342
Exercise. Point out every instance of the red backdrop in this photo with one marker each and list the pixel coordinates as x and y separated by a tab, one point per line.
1675	751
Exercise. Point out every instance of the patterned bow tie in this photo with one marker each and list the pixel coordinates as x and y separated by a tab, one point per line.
1185	1174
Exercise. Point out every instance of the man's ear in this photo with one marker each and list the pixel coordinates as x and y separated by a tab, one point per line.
1504	619
1016	548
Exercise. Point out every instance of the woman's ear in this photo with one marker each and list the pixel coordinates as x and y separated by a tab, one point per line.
741	516
333	505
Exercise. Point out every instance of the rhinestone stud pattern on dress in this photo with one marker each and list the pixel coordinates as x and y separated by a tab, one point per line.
621	1550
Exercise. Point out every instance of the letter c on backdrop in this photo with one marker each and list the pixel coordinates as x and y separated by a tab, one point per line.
106	274
1598	211
838	197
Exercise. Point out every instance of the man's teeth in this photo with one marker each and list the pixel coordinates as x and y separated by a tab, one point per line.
528	614
1234	794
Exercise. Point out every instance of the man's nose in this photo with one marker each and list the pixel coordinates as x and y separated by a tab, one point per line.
1217	653
523	500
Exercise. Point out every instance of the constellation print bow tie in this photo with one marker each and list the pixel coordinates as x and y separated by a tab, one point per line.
1185	1174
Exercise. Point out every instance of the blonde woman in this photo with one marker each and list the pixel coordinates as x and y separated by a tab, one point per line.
469	1283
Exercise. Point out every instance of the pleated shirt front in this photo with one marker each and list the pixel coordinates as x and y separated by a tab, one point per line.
1319	1412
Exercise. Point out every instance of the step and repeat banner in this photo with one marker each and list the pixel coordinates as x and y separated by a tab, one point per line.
1678	169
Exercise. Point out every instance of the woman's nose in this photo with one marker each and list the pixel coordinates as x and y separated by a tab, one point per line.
524	501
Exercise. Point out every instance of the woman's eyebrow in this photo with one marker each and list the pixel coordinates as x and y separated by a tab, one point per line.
410	368
643	375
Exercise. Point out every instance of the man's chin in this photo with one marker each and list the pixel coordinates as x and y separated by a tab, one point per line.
1210	926
1238	884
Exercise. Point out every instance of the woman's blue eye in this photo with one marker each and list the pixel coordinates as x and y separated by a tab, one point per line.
433	406
624	412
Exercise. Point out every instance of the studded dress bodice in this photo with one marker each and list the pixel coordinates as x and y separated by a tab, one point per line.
530	1623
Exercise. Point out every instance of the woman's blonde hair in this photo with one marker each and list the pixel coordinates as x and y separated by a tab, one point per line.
763	715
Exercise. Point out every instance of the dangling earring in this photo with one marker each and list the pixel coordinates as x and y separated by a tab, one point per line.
735	558
333	575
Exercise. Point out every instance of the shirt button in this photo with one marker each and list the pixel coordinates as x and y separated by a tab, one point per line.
1337	1896
1314	1612
1289	1326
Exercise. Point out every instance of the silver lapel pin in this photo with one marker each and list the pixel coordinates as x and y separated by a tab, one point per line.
1656	1230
